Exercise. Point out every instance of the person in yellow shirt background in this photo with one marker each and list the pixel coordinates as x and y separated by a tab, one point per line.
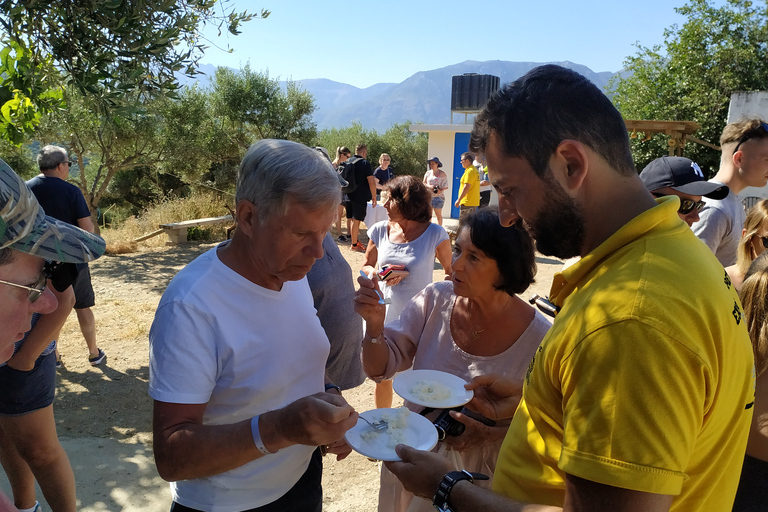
469	193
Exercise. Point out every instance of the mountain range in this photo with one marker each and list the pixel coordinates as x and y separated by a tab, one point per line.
424	97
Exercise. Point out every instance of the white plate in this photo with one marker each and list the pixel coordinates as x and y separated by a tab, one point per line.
419	433
405	381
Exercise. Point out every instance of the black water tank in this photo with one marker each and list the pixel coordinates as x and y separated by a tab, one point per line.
470	91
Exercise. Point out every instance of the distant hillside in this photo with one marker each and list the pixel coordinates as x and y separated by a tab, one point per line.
424	97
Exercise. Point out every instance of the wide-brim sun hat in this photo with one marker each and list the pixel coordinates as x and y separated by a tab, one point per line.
25	227
436	160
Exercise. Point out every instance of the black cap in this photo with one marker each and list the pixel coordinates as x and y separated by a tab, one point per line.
683	175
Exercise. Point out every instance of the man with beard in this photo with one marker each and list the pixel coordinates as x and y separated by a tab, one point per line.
640	396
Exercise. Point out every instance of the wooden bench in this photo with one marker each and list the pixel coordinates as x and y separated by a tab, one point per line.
177	231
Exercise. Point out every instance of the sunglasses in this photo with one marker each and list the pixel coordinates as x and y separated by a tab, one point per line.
751	135
765	241
38	288
686	205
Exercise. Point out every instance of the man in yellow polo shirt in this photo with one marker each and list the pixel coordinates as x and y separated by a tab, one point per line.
640	396
469	193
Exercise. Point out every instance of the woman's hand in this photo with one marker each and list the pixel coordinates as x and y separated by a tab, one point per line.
475	433
393	280
367	305
495	397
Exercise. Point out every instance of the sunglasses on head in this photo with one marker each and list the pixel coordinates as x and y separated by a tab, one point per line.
686	205
751	135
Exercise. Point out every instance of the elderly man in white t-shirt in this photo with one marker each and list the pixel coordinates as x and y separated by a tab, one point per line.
237	353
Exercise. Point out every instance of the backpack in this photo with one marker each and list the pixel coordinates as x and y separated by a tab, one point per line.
347	171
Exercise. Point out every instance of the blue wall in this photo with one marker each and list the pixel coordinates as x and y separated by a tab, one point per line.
460	145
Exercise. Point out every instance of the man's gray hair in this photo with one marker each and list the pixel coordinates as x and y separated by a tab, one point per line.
274	171
50	156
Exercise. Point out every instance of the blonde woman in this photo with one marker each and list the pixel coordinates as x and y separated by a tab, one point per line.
342	155
754	240
754	298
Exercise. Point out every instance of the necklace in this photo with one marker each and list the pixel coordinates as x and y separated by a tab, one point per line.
477	332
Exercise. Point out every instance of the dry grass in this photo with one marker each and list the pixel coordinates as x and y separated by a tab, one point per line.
121	240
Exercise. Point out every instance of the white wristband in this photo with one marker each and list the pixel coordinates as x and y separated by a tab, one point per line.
257	436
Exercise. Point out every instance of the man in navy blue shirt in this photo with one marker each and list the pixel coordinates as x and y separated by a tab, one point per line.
64	201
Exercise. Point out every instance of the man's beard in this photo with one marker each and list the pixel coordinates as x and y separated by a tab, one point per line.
559	227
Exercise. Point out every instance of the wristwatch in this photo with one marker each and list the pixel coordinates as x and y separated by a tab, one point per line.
440	501
330	385
376	339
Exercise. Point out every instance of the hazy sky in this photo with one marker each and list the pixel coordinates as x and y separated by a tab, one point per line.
363	42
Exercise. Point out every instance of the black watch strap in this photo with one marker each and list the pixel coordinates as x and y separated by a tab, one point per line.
330	385
440	501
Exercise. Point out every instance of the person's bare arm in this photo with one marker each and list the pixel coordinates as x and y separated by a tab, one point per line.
444	256
421	473
371	256
372	185
42	333
185	448
462	193
87	224
375	355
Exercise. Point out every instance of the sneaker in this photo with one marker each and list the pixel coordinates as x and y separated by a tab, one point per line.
59	364
343	238
358	247
98	359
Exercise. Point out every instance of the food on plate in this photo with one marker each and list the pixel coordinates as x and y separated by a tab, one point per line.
396	424
430	391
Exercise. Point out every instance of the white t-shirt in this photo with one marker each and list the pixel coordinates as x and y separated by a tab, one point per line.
220	339
720	225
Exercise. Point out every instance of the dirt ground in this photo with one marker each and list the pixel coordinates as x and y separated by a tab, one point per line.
104	413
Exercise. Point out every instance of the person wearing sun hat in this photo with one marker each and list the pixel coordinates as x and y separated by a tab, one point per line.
681	177
29	238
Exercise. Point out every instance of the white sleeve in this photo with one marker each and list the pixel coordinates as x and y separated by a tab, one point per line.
183	360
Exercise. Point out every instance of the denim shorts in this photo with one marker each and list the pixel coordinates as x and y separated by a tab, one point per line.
28	391
438	202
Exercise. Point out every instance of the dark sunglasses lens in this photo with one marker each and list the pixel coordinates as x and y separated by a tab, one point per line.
686	206
765	241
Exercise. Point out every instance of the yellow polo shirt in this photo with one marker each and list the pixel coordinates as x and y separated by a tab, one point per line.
646	379
471	177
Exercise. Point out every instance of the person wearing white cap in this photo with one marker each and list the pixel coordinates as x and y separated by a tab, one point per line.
681	177
28	437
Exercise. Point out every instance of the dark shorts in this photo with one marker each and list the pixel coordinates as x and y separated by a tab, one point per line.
305	496
356	209
25	392
84	297
466	210
485	198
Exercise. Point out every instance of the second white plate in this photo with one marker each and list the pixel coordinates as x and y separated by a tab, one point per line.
406	383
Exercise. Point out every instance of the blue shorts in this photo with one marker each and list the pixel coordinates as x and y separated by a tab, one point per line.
438	202
25	392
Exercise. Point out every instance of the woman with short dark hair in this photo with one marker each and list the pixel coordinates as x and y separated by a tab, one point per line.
470	326
408	238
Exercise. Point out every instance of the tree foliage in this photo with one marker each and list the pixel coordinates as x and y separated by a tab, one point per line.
108	50
408	149
691	76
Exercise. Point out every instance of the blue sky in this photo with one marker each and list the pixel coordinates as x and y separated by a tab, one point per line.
363	43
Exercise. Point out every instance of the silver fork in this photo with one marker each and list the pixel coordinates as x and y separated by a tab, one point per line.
376	425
